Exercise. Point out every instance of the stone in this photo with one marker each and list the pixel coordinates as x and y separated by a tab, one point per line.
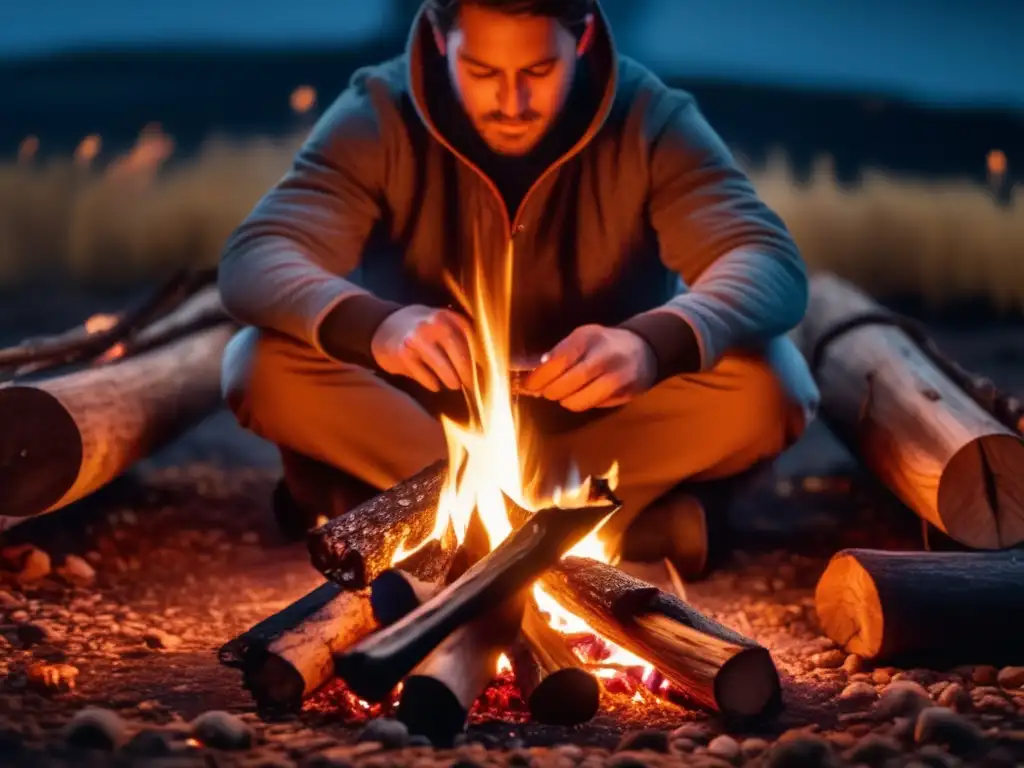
873	750
983	674
725	747
28	563
1011	677
222	730
389	733
882	675
931	756
955	696
151	743
753	746
853	664
9	602
832	659
34	632
902	698
857	695
96	728
625	760
801	752
77	571
638	741
335	757
158	638
699	733
419	740
942	726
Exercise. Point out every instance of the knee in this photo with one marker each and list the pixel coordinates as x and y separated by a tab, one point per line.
251	360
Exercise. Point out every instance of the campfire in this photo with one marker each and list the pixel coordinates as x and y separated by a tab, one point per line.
475	569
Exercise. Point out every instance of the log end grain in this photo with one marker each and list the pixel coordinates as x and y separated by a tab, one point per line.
981	493
849	607
274	683
567	697
748	686
40	450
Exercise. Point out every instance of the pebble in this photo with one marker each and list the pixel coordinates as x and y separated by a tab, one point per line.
151	743
801	752
28	563
832	659
34	632
158	638
874	750
698	733
753	746
955	696
902	698
625	760
857	695
1011	677
725	747
95	728
389	733
638	741
938	725
335	757
76	570
221	730
931	756
9	602
985	675
882	676
853	664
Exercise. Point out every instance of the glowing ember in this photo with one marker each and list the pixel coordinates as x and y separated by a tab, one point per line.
100	323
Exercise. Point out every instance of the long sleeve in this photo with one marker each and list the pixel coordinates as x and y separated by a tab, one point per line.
746	281
284	268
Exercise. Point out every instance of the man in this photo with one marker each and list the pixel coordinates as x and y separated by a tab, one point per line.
648	277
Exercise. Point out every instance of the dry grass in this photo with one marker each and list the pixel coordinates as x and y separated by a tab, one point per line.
891	235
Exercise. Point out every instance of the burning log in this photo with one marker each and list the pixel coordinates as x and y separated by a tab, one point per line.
944	456
67	436
948	606
354	548
437	696
374	666
552	679
712	665
289	655
396	593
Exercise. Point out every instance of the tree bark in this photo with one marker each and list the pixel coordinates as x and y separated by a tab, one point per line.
354	548
918	606
288	656
713	666
375	666
67	436
944	456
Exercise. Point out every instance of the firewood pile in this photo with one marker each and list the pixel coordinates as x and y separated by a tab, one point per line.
418	639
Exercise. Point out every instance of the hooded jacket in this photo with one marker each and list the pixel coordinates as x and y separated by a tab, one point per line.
646	222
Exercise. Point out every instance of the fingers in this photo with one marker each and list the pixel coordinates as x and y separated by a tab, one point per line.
605	391
416	370
562	357
442	347
457	344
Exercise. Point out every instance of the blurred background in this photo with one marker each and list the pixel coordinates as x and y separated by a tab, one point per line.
135	134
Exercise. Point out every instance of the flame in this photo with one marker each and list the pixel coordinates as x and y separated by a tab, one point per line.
504	665
486	466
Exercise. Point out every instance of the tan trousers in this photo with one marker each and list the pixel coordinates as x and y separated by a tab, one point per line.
694	427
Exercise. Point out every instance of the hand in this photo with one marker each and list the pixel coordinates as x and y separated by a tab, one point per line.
431	346
594	367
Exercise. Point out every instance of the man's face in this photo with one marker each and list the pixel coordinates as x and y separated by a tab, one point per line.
512	73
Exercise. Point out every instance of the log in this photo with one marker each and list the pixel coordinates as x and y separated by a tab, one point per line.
67	436
934	606
375	665
354	548
944	456
710	664
396	593
437	696
288	656
556	687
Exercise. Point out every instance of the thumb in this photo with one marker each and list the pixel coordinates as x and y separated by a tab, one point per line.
558	360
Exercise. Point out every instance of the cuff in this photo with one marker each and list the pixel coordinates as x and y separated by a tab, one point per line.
347	329
674	342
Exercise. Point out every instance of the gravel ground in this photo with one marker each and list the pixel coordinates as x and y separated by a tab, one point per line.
111	613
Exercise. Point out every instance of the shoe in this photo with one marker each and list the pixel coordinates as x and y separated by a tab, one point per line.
311	492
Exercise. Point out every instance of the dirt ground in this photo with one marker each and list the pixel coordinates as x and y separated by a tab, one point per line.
140	584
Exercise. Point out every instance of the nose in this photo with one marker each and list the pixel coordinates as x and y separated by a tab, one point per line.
514	95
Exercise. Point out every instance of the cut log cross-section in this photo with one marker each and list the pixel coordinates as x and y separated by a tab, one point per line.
69	435
707	662
944	456
924	606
